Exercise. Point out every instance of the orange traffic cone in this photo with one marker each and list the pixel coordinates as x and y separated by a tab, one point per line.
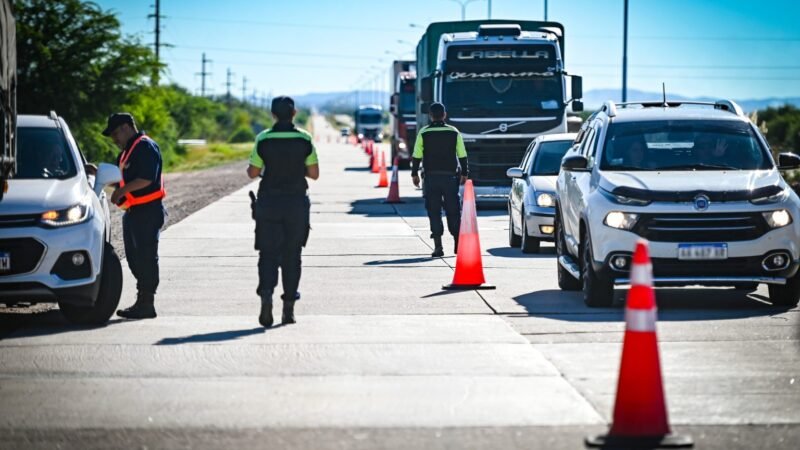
640	411
370	148
469	266
382	180
394	187
375	162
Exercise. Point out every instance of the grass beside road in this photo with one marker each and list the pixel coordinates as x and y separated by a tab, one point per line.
198	157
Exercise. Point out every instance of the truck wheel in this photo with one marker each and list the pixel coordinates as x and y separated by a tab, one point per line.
107	297
513	238
598	291
787	294
527	243
566	282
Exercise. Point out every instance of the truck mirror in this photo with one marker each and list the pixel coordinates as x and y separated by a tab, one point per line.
424	107
577	106
393	99
577	88
426	90
393	109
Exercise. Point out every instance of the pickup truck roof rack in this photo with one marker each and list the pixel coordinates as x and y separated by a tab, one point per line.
610	108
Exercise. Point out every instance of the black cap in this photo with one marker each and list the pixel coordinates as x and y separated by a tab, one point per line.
436	110
116	120
282	107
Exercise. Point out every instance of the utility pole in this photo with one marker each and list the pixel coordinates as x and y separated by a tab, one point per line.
489	14
244	89
157	31
625	54
228	84
545	10
203	74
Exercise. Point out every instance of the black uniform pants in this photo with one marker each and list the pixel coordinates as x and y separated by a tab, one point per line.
141	227
282	226
442	191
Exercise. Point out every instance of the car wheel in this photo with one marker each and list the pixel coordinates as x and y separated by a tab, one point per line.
787	294
513	238
598	291
107	297
566	282
528	244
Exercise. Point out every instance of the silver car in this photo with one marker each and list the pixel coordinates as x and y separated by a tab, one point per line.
531	202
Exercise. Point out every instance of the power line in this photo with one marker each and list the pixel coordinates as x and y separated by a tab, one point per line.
273	52
305	66
289	24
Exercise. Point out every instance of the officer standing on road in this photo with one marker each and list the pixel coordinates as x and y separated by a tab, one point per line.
284	156
441	150
139	193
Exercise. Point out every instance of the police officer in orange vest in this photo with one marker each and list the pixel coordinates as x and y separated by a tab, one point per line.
139	193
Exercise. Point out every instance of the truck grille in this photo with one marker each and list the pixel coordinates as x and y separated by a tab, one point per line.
715	227
25	254
487	166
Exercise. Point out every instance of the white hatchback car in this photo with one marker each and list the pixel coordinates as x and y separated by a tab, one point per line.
54	226
531	202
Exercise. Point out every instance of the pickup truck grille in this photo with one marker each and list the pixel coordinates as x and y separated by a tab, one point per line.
25	254
699	227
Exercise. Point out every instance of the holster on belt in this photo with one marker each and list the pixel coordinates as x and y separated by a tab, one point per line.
253	202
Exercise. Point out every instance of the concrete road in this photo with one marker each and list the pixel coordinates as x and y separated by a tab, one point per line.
380	356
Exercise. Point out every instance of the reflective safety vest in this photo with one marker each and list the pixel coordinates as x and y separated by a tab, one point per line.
134	200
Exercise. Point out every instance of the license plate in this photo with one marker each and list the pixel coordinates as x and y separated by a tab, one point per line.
702	251
5	261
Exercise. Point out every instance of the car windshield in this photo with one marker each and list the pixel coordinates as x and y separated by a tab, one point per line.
43	153
683	145
548	157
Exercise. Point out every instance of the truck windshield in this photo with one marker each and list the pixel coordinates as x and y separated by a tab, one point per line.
369	119
43	153
548	157
683	145
407	96
476	96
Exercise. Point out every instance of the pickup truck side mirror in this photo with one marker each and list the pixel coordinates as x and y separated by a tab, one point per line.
577	163
515	172
106	174
788	161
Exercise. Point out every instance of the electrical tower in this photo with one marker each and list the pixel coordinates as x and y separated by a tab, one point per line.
244	89
203	74
157	43
228	84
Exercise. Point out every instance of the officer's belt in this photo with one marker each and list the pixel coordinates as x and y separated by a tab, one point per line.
279	192
441	172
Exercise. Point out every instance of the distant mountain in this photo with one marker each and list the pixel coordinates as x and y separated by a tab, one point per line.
594	99
324	100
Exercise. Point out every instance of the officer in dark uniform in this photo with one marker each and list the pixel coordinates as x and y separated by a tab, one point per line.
284	156
440	149
140	194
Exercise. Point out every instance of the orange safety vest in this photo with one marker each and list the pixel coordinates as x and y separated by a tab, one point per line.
134	200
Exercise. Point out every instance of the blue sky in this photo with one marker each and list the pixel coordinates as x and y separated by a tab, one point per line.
720	48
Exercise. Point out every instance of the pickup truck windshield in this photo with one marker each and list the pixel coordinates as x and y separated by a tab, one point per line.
43	153
672	145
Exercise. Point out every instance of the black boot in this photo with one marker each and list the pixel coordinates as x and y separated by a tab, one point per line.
288	311
142	309
437	247
265	317
455	246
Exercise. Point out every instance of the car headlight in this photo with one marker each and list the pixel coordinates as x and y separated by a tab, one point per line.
621	220
545	200
68	216
402	145
622	200
778	219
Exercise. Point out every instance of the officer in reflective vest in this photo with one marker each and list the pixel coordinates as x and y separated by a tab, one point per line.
284	156
139	193
440	149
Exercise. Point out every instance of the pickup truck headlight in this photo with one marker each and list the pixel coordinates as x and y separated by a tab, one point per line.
778	219
545	200
68	216
621	220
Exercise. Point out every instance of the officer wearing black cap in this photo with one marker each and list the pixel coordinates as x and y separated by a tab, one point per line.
140	194
284	156
440	149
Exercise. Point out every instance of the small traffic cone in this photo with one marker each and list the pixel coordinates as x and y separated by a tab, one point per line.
469	266
382	179
375	162
394	187
370	148
640	411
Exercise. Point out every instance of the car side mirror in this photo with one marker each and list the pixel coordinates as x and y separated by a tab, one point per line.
577	163
515	172
788	161
106	174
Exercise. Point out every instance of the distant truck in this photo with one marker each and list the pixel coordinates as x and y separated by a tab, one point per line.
369	123
503	83
403	117
8	93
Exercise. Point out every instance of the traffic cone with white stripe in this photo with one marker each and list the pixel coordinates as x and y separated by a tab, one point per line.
394	187
383	180
640	411
469	265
